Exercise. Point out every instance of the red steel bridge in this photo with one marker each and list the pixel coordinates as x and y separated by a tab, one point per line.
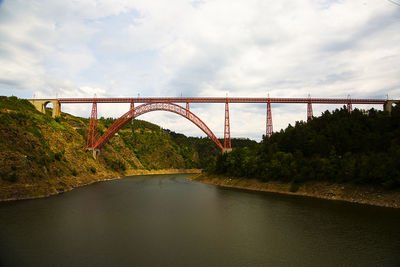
171	104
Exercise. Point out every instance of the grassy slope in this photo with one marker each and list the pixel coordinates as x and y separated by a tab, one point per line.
40	155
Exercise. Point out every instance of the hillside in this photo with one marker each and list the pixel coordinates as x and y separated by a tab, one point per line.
360	148
40	155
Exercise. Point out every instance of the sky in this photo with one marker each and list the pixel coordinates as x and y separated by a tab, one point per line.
239	48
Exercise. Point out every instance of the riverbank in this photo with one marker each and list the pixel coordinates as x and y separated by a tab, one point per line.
54	186
324	190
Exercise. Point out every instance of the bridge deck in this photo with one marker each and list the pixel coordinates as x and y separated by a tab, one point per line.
223	100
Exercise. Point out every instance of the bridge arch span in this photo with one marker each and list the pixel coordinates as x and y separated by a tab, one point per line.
148	107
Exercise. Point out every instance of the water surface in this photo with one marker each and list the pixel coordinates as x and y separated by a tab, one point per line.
166	220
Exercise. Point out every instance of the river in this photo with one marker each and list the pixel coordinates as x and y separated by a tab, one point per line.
166	220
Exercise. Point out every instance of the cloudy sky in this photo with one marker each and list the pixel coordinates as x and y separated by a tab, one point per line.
286	48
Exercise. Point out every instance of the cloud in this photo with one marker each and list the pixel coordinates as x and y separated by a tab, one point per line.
201	48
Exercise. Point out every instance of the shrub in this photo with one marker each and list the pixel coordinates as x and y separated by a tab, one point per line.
74	172
11	178
59	155
116	165
93	170
294	186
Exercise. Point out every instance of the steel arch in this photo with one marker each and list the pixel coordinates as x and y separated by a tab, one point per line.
148	107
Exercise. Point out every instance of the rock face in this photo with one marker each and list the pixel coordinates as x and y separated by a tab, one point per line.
41	155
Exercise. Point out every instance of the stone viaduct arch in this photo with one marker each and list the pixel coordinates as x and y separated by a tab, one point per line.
148	107
40	105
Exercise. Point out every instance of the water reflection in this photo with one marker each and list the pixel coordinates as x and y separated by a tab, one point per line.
169	221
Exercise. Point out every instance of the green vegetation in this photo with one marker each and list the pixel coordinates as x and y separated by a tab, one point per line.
36	148
158	148
58	155
116	165
14	103
361	147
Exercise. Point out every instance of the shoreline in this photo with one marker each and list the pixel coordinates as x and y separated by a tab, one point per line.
61	185
361	194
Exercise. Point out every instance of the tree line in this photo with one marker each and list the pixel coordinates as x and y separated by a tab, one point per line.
360	147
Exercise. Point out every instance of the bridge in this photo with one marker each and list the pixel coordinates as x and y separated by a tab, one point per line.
170	104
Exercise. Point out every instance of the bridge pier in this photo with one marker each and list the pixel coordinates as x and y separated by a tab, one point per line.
309	111
269	119
226	150
95	152
40	105
227	128
389	104
92	134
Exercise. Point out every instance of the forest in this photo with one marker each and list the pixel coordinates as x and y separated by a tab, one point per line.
360	147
